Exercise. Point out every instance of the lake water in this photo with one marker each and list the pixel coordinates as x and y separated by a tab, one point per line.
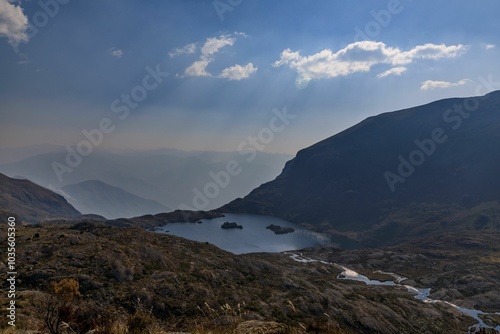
253	238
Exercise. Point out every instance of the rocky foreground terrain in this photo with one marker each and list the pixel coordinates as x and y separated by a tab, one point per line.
462	267
127	280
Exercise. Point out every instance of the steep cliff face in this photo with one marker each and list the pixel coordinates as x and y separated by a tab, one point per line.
443	153
31	202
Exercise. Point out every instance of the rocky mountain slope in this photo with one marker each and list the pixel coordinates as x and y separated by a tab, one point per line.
81	275
31	202
121	278
440	157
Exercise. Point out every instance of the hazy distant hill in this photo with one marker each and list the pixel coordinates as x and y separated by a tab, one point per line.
167	176
430	161
97	197
11	155
31	202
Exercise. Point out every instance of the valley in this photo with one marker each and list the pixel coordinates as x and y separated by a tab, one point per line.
357	255
249	167
196	287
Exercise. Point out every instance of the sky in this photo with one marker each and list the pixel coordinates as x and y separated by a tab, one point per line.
230	74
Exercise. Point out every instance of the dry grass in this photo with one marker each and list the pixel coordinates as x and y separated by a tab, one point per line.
183	286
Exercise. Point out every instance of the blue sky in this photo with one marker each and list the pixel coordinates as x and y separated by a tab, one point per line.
230	63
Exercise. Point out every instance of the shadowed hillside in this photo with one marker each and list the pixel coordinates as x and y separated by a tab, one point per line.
441	155
31	202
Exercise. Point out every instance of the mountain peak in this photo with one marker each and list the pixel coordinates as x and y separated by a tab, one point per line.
31	202
441	153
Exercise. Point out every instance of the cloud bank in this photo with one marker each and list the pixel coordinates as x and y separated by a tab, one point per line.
208	52
186	50
238	72
431	84
397	71
361	57
13	23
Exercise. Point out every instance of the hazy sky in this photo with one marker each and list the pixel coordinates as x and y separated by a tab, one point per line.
68	65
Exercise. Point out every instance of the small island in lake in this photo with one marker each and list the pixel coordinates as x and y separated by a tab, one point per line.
228	225
279	229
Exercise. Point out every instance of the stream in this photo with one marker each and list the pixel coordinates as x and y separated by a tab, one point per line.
420	294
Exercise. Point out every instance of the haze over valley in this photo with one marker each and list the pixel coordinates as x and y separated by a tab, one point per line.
171	178
249	167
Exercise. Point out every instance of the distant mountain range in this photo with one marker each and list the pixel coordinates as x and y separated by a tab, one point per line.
33	204
391	174
11	155
390	178
170	177
30	202
427	174
97	197
173	276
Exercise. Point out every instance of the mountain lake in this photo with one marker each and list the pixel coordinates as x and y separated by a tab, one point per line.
253	237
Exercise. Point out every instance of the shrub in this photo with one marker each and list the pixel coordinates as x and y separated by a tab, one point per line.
59	309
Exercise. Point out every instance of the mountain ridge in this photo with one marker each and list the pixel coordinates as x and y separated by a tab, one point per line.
340	183
31	202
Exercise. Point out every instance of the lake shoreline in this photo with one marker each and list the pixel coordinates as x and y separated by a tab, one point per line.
254	236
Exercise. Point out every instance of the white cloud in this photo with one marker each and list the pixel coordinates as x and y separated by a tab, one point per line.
13	23
287	56
116	52
187	49
208	52
489	46
238	72
198	69
214	44
431	84
433	51
393	71
361	57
